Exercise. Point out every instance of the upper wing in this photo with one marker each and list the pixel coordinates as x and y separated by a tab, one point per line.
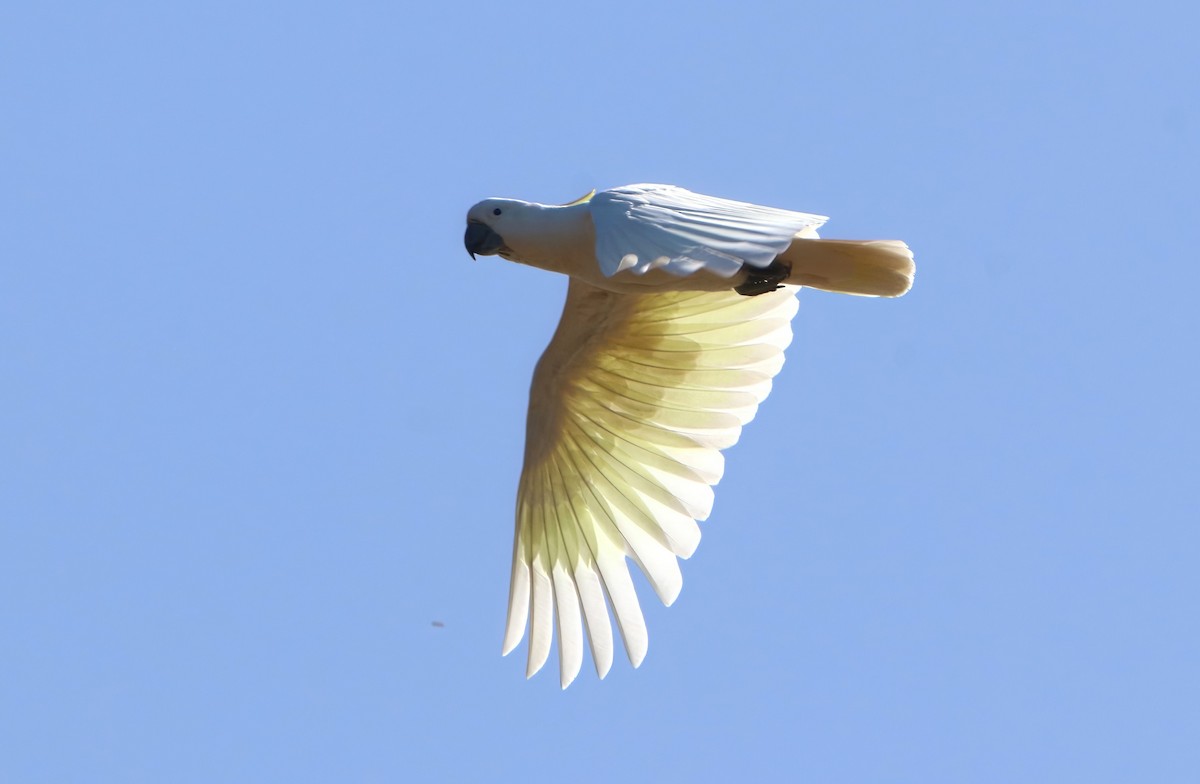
644	227
630	406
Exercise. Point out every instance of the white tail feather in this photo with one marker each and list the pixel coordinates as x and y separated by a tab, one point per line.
868	268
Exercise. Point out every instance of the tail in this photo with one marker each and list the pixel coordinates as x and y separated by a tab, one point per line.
868	268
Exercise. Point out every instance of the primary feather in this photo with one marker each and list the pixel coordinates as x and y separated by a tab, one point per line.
630	406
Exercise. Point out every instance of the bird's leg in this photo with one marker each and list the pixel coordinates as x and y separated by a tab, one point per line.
760	281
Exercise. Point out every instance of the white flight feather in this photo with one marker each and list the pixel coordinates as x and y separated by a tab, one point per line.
630	407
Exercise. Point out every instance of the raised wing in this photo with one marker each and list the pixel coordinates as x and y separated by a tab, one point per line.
630	406
645	227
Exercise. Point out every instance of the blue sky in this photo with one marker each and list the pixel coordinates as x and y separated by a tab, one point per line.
261	416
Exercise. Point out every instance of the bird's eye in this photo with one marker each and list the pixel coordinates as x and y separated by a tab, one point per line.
496	211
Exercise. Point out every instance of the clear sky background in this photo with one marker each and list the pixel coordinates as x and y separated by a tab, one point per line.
261	417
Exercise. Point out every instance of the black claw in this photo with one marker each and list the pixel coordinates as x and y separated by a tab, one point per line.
765	280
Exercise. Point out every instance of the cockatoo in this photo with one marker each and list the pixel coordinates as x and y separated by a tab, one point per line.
678	311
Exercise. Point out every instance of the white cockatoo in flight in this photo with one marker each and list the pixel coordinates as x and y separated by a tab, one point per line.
678	310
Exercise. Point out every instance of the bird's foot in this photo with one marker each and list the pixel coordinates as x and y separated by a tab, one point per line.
761	281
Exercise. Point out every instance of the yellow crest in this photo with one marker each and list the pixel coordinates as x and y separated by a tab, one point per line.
582	199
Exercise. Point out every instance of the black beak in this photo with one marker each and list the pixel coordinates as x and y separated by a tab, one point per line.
482	240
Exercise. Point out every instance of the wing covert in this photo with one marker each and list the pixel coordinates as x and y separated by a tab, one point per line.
645	227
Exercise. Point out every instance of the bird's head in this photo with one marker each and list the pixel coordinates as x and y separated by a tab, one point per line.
541	235
493	223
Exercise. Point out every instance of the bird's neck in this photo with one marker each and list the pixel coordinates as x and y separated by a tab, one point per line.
558	239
